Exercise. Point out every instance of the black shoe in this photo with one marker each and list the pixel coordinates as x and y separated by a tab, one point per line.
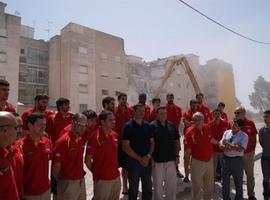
186	180
218	178
252	198
179	174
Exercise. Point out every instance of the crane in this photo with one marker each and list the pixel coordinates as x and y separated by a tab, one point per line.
184	63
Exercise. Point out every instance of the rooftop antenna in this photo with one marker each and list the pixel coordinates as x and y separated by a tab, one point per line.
17	13
48	29
34	26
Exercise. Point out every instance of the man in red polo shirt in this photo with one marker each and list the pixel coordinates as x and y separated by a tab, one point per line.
142	100
108	103
156	104
102	160
218	126
250	129
92	124
123	114
4	92
8	188
59	120
41	103
199	146
37	151
67	166
203	108
174	115
187	120
16	157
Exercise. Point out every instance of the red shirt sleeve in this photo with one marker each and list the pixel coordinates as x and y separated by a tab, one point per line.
92	145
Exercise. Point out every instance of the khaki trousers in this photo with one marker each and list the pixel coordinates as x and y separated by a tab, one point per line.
202	179
217	157
45	196
107	190
249	171
71	189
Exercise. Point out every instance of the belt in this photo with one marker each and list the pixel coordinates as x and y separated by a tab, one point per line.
232	157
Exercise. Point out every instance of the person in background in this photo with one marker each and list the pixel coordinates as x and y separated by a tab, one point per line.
4	93
202	108
123	113
102	159
147	110
156	104
264	139
41	103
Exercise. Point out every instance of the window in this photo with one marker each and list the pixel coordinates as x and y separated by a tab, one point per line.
3	57
83	50
104	92
22	51
117	59
37	56
83	107
83	69
2	77
83	88
22	59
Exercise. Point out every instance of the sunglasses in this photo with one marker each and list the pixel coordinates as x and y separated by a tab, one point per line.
237	113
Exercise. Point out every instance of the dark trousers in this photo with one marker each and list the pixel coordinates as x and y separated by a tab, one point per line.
265	164
136	172
232	166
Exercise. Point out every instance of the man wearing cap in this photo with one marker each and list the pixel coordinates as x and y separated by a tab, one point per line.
67	166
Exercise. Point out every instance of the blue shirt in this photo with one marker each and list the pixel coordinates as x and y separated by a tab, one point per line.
240	138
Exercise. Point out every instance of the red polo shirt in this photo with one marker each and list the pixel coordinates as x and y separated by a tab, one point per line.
56	123
199	142
9	108
174	114
36	165
205	111
250	129
187	116
103	148
153	115
223	115
28	112
217	130
69	152
16	160
121	117
8	188
147	111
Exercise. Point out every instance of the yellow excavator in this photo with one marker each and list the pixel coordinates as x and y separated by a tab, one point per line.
170	68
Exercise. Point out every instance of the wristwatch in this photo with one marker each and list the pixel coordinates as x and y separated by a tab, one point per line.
149	155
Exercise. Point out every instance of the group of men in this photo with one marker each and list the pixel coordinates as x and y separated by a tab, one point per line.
144	142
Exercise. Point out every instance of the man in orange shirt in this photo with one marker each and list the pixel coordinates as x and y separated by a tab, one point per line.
156	104
4	92
203	108
147	109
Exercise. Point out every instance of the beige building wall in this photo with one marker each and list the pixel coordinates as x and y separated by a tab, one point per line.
9	51
85	66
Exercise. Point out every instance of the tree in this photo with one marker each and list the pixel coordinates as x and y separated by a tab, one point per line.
260	98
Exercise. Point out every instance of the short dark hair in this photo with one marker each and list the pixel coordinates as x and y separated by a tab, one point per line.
104	115
156	99
239	122
41	97
107	100
160	108
90	114
267	112
192	101
221	104
61	101
121	94
169	94
33	117
138	105
199	94
4	82
142	95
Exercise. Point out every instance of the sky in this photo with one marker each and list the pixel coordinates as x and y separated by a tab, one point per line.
154	29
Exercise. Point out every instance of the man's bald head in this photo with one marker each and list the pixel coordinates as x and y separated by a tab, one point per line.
7	128
240	112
